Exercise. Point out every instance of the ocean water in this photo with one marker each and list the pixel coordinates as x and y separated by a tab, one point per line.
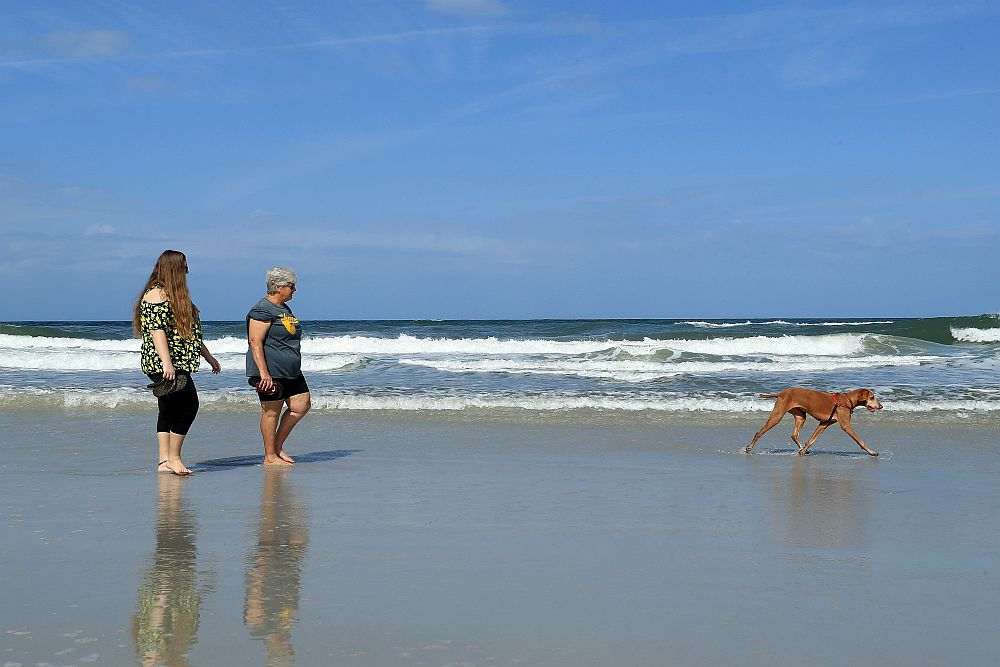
944	369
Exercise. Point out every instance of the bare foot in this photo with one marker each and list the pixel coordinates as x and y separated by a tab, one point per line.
285	457
177	467
275	461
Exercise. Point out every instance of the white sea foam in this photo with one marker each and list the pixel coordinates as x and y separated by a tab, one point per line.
70	360
327	400
12	342
728	325
414	403
640	371
835	344
954	405
841	324
334	352
717	325
406	344
124	398
976	335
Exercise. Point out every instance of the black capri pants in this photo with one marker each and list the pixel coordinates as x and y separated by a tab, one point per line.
177	410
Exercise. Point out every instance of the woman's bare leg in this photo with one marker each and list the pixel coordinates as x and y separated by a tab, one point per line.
270	415
298	406
169	446
163	446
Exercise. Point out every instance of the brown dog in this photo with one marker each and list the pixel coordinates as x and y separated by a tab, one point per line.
824	407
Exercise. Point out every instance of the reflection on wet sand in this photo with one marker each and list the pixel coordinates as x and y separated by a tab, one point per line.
165	624
274	568
818	506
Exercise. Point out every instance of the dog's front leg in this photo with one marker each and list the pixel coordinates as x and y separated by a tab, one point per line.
850	431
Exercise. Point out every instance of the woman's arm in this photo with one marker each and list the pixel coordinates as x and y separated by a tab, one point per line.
212	361
257	331
163	352
157	295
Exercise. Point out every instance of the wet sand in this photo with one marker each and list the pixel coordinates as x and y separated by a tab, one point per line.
415	542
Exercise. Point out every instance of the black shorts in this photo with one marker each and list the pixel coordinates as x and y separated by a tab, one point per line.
289	387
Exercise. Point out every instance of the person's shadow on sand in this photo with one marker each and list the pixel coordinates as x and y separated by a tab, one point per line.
233	462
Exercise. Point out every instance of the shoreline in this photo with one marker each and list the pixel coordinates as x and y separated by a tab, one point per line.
397	542
247	408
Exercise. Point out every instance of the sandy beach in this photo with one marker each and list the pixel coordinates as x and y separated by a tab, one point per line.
438	542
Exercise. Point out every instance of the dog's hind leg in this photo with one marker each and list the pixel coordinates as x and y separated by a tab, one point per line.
776	414
819	430
800	419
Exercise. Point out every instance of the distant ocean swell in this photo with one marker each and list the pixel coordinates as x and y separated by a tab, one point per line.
943	368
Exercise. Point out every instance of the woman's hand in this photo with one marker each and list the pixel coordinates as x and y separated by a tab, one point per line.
214	363
266	383
168	371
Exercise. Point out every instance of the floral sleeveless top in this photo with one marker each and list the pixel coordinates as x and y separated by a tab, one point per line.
185	353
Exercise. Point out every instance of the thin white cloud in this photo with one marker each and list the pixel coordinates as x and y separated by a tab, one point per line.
938	96
319	154
87	43
95	51
332	42
478	8
100	230
797	26
821	67
148	84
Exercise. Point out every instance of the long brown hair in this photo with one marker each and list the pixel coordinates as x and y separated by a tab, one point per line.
170	274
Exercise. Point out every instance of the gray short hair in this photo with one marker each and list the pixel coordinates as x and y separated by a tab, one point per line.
279	275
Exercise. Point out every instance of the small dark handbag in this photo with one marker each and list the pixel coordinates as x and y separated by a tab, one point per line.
164	387
276	390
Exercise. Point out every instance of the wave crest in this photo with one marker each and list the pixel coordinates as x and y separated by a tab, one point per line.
969	335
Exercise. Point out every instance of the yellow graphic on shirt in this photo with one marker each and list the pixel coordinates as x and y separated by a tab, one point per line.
289	323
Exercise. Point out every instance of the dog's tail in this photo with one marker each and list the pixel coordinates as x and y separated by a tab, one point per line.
769	395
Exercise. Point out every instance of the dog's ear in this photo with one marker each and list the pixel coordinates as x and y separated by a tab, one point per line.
867	394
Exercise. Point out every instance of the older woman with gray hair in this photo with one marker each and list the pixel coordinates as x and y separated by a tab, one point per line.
274	364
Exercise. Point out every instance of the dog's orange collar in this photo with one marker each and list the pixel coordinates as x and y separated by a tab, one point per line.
837	403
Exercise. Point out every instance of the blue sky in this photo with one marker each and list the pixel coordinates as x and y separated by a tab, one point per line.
503	158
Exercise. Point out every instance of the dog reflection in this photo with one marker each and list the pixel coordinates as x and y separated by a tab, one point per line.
165	624
816	507
274	568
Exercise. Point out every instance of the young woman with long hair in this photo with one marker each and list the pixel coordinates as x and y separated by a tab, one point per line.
172	346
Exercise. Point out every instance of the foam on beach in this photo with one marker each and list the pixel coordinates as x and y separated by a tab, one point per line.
486	406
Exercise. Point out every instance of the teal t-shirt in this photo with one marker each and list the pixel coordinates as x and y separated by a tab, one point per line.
282	344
